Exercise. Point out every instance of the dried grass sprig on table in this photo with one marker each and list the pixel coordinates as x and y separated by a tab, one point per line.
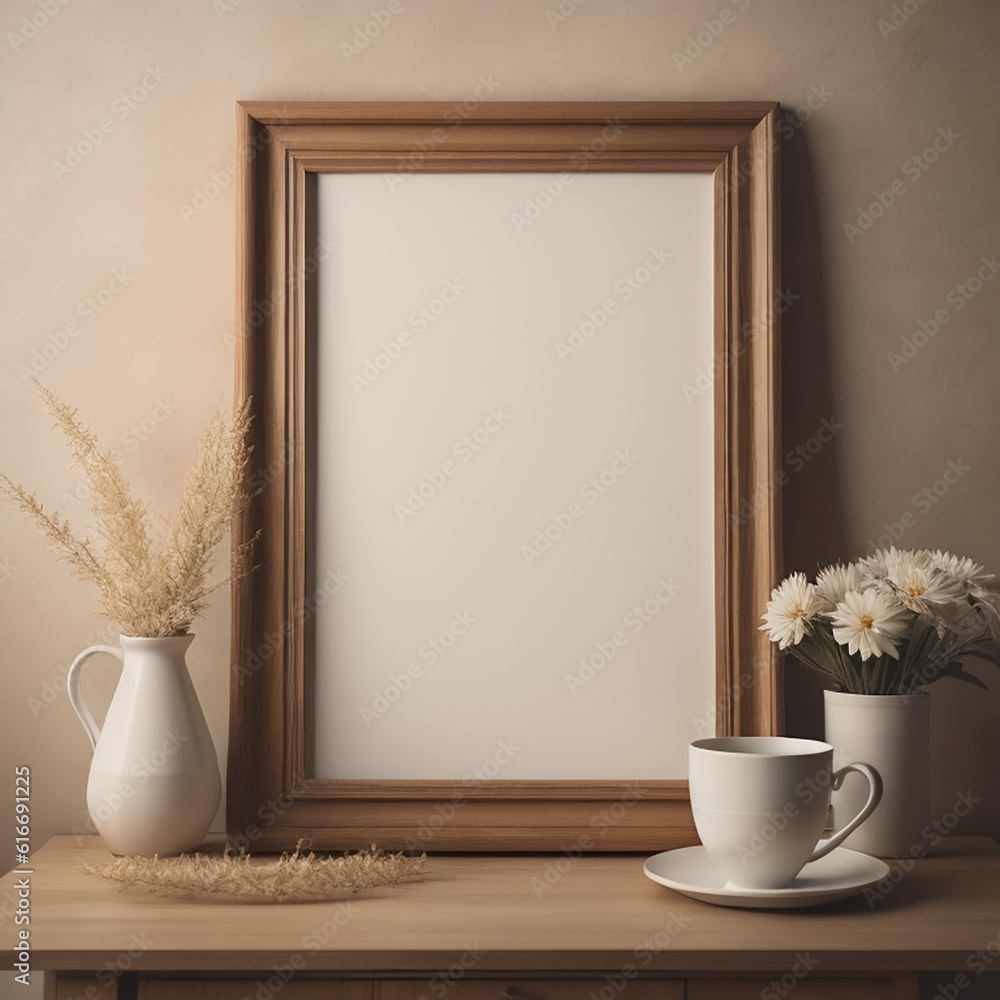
298	877
150	584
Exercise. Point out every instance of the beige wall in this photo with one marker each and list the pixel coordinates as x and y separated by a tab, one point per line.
162	339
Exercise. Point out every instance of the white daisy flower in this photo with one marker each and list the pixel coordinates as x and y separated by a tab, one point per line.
869	622
793	605
962	569
919	585
877	566
835	581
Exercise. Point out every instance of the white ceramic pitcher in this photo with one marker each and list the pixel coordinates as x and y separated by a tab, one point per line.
154	784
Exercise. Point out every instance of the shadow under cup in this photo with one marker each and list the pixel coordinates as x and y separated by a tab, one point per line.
760	804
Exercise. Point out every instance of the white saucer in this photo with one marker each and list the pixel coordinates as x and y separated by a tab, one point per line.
842	873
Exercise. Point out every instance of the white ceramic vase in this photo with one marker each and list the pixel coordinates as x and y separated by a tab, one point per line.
892	733
154	784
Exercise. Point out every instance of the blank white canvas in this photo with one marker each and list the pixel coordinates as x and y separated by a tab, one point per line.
454	636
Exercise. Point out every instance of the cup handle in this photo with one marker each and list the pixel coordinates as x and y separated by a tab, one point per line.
874	797
91	728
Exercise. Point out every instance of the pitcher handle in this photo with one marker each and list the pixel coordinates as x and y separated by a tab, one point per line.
874	797
91	728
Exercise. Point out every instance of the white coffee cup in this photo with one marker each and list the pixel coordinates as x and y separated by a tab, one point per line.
760	804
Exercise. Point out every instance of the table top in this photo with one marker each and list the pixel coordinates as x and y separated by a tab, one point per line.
522	912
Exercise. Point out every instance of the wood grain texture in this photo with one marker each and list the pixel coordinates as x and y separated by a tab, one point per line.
526	915
272	801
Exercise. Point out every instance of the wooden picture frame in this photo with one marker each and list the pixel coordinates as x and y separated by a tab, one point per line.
272	800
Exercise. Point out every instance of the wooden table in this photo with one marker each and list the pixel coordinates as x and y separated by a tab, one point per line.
486	927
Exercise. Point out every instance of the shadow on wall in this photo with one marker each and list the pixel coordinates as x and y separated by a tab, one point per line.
813	521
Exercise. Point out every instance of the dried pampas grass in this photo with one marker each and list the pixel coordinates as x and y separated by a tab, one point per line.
297	877
150	585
